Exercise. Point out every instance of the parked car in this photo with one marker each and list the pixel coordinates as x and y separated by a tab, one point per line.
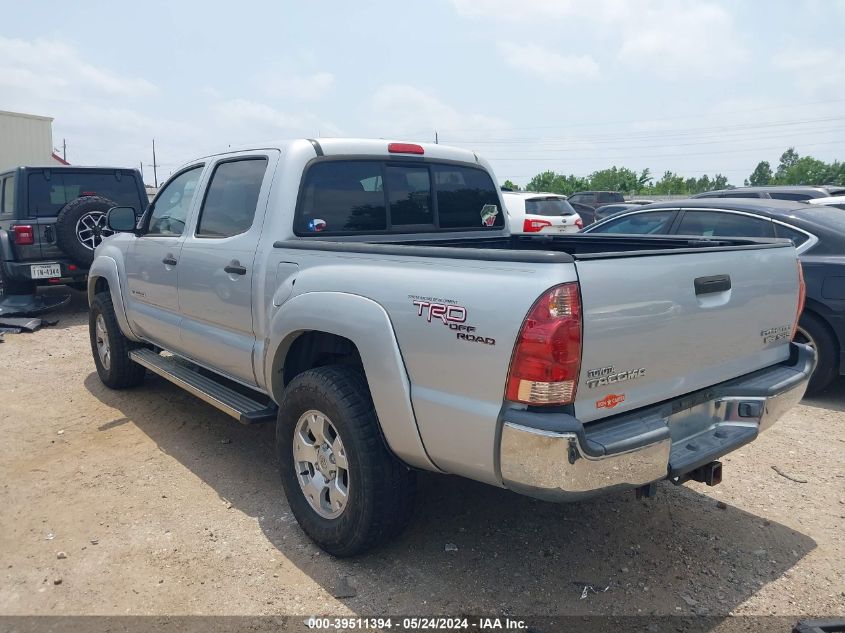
585	203
537	212
818	235
832	201
52	218
785	192
367	297
605	211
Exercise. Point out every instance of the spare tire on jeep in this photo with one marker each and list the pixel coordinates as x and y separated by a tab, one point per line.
81	226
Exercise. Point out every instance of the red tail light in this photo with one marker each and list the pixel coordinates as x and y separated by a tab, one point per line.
547	358
24	235
532	226
405	148
579	223
802	296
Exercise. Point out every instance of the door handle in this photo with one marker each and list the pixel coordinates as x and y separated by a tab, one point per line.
234	268
169	260
716	283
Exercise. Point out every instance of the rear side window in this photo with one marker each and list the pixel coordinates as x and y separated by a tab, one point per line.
783	195
231	198
50	190
797	237
548	206
7	202
610	196
651	223
716	224
376	196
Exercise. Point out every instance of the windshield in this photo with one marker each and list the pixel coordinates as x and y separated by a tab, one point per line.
548	206
47	197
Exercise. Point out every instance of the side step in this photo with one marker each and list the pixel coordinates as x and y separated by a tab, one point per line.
214	392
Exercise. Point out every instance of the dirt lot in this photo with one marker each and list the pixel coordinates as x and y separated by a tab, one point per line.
163	505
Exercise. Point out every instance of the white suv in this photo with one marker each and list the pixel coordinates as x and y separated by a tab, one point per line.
537	212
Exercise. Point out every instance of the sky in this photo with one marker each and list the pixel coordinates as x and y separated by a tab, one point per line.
693	86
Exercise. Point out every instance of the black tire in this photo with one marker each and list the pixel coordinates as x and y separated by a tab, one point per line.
67	237
121	371
813	330
381	489
10	286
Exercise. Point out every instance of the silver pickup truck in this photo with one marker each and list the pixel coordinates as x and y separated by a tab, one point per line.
366	297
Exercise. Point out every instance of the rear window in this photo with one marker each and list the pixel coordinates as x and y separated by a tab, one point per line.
548	206
48	196
610	196
370	196
783	195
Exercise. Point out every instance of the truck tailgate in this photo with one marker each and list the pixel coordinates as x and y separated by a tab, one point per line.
659	326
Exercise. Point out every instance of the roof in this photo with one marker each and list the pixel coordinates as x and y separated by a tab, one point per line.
533	194
830	200
26	116
763	206
59	159
766	188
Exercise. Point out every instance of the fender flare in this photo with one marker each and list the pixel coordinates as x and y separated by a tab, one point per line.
105	267
368	326
5	246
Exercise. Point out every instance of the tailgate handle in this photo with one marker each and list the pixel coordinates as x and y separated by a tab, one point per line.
716	283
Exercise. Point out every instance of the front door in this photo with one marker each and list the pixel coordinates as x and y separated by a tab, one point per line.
216	267
152	262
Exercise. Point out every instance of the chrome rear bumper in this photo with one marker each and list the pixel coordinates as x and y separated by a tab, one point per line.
553	456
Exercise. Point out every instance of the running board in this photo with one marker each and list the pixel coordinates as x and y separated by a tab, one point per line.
243	408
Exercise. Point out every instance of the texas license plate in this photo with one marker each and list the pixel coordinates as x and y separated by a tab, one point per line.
45	271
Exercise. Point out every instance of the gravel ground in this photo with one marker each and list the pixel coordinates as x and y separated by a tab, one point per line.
149	501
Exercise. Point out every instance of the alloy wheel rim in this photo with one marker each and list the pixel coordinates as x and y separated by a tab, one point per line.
802	336
91	228
322	470
102	340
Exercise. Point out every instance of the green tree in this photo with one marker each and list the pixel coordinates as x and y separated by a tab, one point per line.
762	174
806	170
787	160
557	183
511	185
719	182
616	179
671	183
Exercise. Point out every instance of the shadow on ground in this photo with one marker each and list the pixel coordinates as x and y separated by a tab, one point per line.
676	553
832	398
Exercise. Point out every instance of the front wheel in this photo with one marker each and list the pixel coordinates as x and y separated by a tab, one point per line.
346	490
110	347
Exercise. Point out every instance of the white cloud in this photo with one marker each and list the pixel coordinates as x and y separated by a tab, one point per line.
251	121
301	87
407	111
671	38
50	68
547	64
815	71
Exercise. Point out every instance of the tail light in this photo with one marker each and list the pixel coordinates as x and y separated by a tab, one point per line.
547	358
532	226
802	296
579	223
24	235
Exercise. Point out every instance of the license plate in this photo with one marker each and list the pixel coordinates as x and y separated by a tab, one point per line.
45	271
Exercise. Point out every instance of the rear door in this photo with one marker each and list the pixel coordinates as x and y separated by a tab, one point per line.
660	326
216	267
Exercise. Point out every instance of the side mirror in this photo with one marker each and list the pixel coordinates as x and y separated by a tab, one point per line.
121	219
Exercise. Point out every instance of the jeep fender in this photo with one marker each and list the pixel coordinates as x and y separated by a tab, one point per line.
106	268
367	325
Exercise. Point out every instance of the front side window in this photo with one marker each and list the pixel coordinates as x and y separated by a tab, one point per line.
171	206
652	223
229	205
720	224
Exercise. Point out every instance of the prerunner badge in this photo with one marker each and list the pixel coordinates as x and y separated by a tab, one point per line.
488	214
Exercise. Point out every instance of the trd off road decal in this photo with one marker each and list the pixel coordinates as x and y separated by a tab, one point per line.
488	214
450	314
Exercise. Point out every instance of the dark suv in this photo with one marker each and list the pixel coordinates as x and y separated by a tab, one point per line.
585	202
52	218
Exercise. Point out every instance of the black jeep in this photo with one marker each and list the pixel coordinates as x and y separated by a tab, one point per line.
52	218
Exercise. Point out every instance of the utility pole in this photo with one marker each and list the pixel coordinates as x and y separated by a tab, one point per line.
155	165
141	163
64	150
435	137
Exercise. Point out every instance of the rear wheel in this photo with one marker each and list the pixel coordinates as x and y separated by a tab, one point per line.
812	331
346	490
110	347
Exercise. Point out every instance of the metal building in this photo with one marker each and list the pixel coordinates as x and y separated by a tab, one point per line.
26	139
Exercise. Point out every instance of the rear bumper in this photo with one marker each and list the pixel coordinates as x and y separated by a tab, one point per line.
554	456
22	271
